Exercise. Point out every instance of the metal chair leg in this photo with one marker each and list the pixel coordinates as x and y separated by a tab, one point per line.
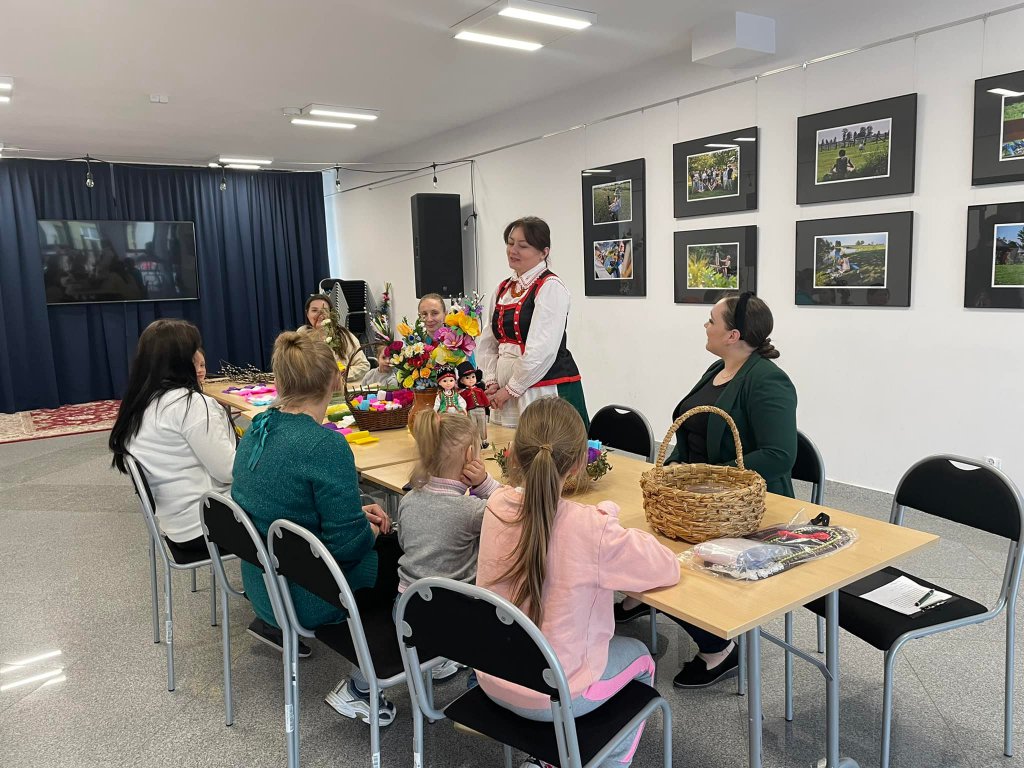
507	752
213	596
374	723
155	591
789	667
741	678
169	627
654	631
821	634
1011	631
291	698
666	733
229	709
890	665
193	579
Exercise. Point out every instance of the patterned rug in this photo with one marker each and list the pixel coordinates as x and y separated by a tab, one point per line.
57	422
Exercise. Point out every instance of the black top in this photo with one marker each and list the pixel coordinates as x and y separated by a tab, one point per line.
694	432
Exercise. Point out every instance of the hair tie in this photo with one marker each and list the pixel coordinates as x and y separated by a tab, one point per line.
545	447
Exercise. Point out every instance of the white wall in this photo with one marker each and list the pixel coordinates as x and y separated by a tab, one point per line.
878	388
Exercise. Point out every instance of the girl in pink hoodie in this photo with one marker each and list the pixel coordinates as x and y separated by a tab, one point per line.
560	562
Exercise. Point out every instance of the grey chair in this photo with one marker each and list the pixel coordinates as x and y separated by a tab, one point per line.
367	639
980	497
625	428
174	559
228	530
441	617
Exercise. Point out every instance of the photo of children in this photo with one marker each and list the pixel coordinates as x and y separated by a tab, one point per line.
1008	256
713	265
1011	144
853	152
613	202
713	174
851	261
613	259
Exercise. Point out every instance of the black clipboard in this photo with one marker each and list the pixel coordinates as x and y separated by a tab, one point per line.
880	579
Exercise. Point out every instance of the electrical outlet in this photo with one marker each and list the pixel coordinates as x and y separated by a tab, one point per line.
994	461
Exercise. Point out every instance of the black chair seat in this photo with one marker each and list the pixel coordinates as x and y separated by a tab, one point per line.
879	626
185	556
380	637
475	710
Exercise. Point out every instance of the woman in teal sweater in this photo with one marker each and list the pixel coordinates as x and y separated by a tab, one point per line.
288	466
761	399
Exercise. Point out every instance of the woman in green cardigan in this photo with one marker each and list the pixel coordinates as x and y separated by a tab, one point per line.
288	466
761	399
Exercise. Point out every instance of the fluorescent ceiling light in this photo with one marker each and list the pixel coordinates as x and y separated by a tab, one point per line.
1005	92
225	160
323	123
504	42
4	99
244	166
561	18
6	85
214	165
744	138
321	110
598	170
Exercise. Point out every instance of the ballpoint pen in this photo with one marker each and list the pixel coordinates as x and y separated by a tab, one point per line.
924	599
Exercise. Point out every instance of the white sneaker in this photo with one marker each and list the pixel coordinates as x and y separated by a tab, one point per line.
347	701
446	670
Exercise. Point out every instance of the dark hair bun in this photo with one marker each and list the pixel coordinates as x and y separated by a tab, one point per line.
767	350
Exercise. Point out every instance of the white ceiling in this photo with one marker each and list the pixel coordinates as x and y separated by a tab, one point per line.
84	71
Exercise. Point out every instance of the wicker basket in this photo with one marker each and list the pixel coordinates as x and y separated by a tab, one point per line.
677	507
374	420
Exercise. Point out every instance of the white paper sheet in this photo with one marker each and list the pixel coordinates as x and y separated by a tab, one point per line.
903	594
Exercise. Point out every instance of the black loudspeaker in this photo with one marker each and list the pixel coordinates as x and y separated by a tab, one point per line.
437	244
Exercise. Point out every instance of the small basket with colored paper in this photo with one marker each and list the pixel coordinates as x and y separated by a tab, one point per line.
370	418
697	502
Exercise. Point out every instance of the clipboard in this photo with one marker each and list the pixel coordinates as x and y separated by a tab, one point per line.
880	579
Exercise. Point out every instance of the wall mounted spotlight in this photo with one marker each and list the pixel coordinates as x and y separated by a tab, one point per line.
89	181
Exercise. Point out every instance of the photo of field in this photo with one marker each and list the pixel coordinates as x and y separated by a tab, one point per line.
713	265
853	152
1008	256
1011	146
713	174
613	202
851	261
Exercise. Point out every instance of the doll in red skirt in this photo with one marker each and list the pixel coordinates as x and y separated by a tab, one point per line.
477	404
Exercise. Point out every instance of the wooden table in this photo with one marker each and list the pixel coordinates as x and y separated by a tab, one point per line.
733	609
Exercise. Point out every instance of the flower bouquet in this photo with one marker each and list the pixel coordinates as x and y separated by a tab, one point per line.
597	467
334	339
380	323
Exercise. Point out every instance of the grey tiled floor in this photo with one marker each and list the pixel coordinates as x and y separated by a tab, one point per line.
73	577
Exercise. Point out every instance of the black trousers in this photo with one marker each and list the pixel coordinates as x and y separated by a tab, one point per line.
706	642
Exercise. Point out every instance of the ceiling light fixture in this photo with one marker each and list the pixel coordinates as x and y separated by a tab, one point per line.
1005	92
243	166
542	13
89	181
6	89
213	165
225	160
350	113
504	42
322	123
4	99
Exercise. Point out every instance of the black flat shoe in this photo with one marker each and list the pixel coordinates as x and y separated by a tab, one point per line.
272	636
695	673
623	615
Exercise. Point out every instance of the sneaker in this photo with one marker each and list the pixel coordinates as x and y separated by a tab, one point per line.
533	762
623	615
272	636
446	670
349	701
695	673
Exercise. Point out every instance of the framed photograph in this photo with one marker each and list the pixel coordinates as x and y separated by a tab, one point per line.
711	263
862	151
994	275
613	202
715	174
998	129
614	262
860	261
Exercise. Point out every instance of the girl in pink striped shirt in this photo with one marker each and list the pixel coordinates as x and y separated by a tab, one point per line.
561	562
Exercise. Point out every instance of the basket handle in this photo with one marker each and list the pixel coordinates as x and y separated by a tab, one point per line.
352	359
660	461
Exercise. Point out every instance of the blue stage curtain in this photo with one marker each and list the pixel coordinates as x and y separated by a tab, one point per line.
262	249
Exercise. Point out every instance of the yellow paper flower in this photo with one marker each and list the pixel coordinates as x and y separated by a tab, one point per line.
404	329
452	319
341	366
470	325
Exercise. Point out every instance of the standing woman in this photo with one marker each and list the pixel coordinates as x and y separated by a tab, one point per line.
318	309
523	349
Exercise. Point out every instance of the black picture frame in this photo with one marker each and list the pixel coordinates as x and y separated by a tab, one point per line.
820	142
846	279
998	154
614	209
738	244
985	285
741	195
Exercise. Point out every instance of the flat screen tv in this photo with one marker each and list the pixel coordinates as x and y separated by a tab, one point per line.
89	261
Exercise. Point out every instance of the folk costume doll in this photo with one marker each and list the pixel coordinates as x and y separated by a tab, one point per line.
448	399
475	397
